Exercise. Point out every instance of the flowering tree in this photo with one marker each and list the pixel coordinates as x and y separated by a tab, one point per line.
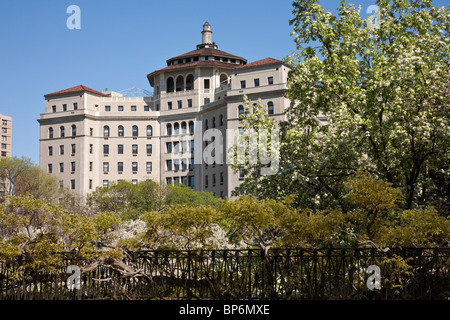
384	91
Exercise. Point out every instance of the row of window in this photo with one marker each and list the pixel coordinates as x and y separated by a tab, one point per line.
62	132
270	109
188	181
180	147
64	107
134	149
176	128
105	183
179	164
132	108
256	82
106	167
213	176
121	131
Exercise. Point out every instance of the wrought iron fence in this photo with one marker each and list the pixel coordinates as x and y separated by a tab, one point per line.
243	274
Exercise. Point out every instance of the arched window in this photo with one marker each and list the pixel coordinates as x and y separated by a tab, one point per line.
191	126
223	79
180	83
120	131
62	131
170	85
190	82
169	129
135	131
270	107
183	127
176	128
149	131
74	130
241	111
50	133
106	131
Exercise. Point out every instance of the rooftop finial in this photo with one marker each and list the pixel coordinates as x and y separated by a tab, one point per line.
207	37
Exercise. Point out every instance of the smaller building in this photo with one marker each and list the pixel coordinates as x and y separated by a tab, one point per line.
6	123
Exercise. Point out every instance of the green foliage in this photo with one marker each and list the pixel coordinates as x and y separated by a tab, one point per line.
181	227
385	94
20	176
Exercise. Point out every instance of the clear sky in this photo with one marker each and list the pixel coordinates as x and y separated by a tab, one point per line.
119	43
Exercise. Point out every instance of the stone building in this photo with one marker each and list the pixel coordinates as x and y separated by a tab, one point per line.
89	139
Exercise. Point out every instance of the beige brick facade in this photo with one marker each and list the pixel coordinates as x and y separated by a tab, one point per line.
89	139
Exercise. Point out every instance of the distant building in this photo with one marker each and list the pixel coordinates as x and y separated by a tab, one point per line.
6	123
90	138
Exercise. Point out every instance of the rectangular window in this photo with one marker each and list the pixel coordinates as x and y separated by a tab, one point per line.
270	80
243	84
191	181
214	180
133	108
53	108
185	181
3	145
176	147
256	82
61	184
74	148
176	164
192	146
169	181
221	178
206	181
149	149
105	183
169	165
206	100
90	183
146	108
105	167
106	149
120	166
134	181
189	103
90	166
107	108
206	84
176	181
120	108
169	105
72	184
64	107
91	148
4	138
191	164
75	106
50	168
169	147
4	130
184	164
72	166
149	166
50	151
180	104
91	132
61	150
241	173
134	166
4	122
120	149
134	149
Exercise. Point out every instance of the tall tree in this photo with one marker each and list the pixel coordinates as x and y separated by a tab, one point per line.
384	90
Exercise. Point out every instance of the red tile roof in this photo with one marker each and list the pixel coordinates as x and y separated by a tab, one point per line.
79	88
206	52
261	62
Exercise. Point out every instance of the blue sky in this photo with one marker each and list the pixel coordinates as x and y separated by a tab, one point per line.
119	43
